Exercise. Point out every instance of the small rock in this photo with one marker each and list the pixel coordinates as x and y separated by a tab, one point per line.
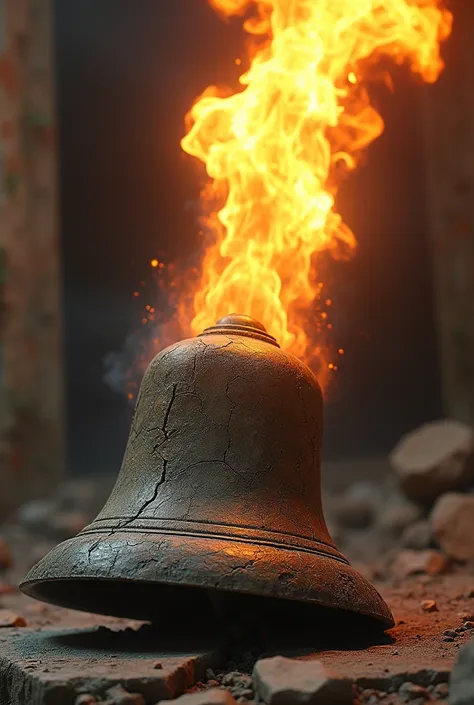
6	558
447	638
214	696
237	678
158	665
429	606
395	519
10	619
85	699
433	459
411	691
118	696
354	512
418	535
284	681
409	562
357	508
461	687
452	521
450	632
441	691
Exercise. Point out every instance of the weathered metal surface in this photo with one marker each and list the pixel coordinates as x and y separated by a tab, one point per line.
31	414
219	493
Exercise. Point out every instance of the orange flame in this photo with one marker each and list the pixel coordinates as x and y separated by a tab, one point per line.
277	150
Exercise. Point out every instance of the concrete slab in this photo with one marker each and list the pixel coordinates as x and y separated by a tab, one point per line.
52	667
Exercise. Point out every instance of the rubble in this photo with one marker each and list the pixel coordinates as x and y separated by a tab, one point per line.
119	696
418	535
85	699
410	691
430	562
10	619
434	459
357	507
462	677
354	513
452	519
213	696
429	606
240	685
396	518
283	681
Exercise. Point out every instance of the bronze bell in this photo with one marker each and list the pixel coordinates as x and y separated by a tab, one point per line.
219	494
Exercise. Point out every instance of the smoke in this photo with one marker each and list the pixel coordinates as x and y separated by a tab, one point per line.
119	363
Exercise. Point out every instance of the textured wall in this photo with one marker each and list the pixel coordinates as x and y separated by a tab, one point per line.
449	133
31	428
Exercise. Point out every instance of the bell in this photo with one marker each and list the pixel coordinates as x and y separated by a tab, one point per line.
218	498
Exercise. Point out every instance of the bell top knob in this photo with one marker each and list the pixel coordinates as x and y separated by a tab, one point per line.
240	324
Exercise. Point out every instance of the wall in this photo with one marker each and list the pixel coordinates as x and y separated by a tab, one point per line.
31	418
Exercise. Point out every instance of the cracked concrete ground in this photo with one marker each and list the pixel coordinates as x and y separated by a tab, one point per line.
61	653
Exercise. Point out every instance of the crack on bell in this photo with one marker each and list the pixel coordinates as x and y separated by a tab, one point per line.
168	412
232	409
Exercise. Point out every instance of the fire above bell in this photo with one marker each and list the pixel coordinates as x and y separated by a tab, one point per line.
219	493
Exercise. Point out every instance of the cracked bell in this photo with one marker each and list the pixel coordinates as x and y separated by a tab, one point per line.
218	501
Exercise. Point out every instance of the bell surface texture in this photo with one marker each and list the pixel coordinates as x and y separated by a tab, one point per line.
219	494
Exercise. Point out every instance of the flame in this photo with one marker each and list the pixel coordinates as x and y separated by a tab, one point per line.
277	149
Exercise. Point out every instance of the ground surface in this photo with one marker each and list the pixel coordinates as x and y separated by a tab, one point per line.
57	654
62	652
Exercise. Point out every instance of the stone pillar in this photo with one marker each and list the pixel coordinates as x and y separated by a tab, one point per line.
31	411
448	127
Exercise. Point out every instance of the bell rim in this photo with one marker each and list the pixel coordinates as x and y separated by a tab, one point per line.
346	589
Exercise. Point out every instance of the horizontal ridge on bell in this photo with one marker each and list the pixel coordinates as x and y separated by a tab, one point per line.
219	494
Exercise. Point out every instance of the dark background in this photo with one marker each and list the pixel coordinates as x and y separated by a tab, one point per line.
127	74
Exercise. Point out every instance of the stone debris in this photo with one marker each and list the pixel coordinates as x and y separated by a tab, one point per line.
85	699
410	691
397	518
354	512
440	691
429	562
429	606
452	519
240	685
357	507
461	689
116	695
10	619
434	459
417	536
6	558
283	681
119	696
213	696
